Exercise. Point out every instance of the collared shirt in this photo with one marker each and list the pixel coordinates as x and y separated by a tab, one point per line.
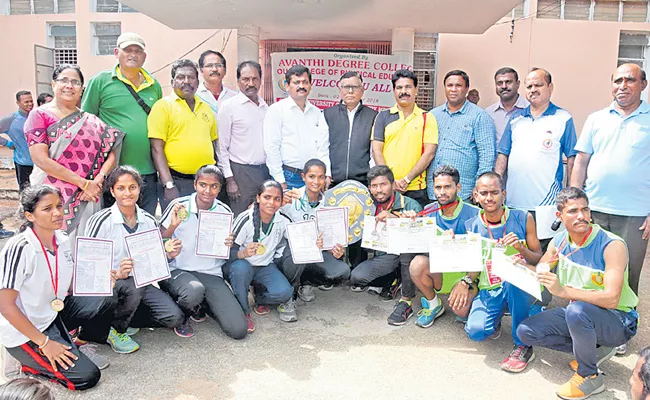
293	136
467	142
187	232
107	97
188	135
404	139
299	209
24	268
617	176
206	95
109	224
351	115
534	147
500	116
274	239
13	126
241	132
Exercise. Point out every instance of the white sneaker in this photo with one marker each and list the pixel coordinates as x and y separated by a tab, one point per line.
90	351
358	288
375	289
621	350
306	293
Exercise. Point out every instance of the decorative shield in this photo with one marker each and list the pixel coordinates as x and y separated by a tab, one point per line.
356	198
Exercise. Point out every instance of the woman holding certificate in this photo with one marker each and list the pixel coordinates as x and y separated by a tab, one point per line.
303	205
203	224
260	234
137	305
35	275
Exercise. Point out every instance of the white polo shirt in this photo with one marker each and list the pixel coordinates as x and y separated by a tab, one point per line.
300	209
24	269
293	136
187	232
275	241
534	147
109	224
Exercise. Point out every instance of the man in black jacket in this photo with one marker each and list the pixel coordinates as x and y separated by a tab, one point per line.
350	124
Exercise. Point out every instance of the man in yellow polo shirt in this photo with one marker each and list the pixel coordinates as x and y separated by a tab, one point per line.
405	138
182	132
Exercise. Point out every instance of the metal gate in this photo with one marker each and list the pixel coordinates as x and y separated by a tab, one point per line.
280	46
43	67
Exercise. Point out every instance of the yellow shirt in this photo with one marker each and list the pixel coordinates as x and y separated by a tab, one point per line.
188	135
404	140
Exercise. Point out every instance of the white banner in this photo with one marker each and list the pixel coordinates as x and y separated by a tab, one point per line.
326	69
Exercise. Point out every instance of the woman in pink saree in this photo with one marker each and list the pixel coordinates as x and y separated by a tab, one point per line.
72	150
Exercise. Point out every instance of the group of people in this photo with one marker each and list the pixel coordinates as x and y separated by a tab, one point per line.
105	156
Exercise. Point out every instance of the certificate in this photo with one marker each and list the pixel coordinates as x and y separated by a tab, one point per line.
92	267
149	258
406	235
517	274
333	224
375	234
462	253
544	219
214	229
302	242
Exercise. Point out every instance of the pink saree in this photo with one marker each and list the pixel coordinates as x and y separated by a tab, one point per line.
81	142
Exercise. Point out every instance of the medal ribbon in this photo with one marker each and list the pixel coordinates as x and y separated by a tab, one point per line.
268	231
432	209
488	223
565	242
54	276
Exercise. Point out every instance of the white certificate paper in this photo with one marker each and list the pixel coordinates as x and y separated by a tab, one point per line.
149	258
516	274
462	253
333	224
302	242
214	229
375	234
406	235
92	267
544	219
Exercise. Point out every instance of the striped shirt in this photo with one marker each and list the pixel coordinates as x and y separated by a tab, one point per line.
274	240
109	224
467	142
25	270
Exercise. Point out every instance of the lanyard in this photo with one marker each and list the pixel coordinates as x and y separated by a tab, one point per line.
268	231
440	208
388	208
487	223
54	276
564	243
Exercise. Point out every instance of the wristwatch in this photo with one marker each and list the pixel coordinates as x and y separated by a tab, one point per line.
406	178
169	185
468	281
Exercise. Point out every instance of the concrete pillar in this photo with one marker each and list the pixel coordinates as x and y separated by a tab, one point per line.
402	45
248	43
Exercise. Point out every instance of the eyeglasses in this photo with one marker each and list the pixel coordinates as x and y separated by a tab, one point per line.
351	88
214	65
65	81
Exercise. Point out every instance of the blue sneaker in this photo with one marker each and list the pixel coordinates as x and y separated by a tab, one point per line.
132	331
121	342
427	315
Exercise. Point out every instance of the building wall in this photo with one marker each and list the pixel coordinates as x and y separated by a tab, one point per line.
18	34
580	55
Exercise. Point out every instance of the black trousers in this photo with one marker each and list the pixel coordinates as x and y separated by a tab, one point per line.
84	374
22	175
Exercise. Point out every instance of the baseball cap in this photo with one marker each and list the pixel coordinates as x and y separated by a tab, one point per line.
128	38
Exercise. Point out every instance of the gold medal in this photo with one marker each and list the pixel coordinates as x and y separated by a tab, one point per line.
261	249
57	305
169	246
183	214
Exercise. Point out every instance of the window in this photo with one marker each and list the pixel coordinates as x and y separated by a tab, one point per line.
110	6
519	12
594	10
63	39
105	36
425	58
41	7
632	48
